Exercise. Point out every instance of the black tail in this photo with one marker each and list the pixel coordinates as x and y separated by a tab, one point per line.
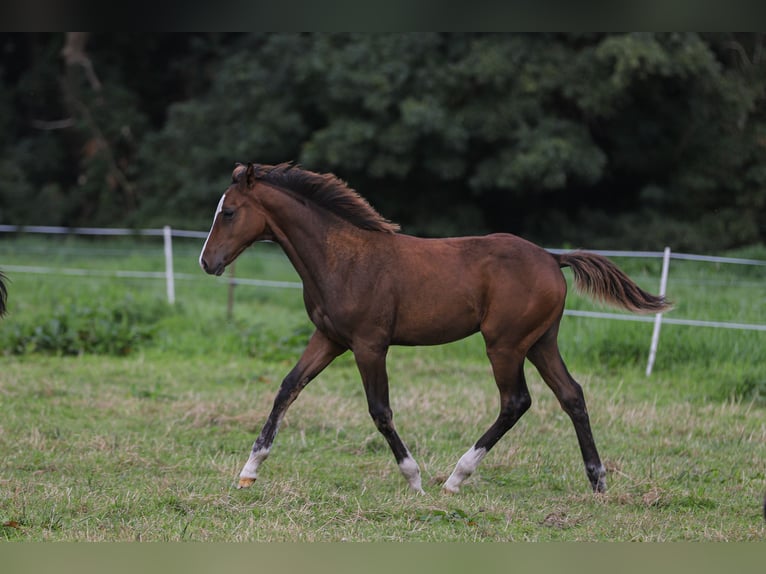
3	294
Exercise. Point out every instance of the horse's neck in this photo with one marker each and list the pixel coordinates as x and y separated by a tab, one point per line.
309	237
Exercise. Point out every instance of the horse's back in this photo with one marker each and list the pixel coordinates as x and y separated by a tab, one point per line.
480	258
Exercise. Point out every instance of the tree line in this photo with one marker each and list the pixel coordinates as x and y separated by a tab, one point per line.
632	140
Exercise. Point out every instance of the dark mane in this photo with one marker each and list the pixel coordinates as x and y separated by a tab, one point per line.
327	191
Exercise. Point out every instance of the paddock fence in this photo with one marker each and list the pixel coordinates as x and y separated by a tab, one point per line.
169	275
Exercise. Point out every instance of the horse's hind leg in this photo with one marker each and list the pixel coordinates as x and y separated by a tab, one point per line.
507	366
545	355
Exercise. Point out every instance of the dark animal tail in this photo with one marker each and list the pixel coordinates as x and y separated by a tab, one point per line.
600	278
3	294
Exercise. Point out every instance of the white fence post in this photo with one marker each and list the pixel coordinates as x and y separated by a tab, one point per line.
658	316
169	277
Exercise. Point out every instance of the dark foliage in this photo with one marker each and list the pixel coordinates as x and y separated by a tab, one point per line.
625	140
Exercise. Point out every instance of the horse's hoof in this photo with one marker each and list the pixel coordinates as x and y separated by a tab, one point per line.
450	489
600	487
245	482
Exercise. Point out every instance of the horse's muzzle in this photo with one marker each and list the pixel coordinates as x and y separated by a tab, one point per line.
212	270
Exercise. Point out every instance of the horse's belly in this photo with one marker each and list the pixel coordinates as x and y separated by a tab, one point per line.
429	326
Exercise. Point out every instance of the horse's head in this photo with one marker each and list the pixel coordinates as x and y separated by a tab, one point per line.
239	221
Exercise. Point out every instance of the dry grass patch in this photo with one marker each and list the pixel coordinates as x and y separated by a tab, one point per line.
154	457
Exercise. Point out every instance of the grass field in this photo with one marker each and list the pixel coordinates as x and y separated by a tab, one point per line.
122	418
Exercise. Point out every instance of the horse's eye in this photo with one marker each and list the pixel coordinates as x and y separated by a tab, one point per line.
228	214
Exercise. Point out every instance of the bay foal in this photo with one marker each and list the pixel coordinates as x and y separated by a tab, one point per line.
367	287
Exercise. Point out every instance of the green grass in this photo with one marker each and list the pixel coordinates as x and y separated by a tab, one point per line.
146	444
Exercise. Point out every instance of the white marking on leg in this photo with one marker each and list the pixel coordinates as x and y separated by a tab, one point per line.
250	470
409	468
600	474
465	467
217	211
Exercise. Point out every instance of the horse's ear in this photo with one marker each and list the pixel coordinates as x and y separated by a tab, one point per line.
239	169
250	174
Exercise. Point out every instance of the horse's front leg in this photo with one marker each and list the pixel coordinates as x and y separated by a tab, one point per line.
318	354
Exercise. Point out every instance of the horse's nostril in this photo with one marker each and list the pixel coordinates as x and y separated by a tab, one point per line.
203	263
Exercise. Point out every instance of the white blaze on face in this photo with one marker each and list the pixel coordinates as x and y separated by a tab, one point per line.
215	216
